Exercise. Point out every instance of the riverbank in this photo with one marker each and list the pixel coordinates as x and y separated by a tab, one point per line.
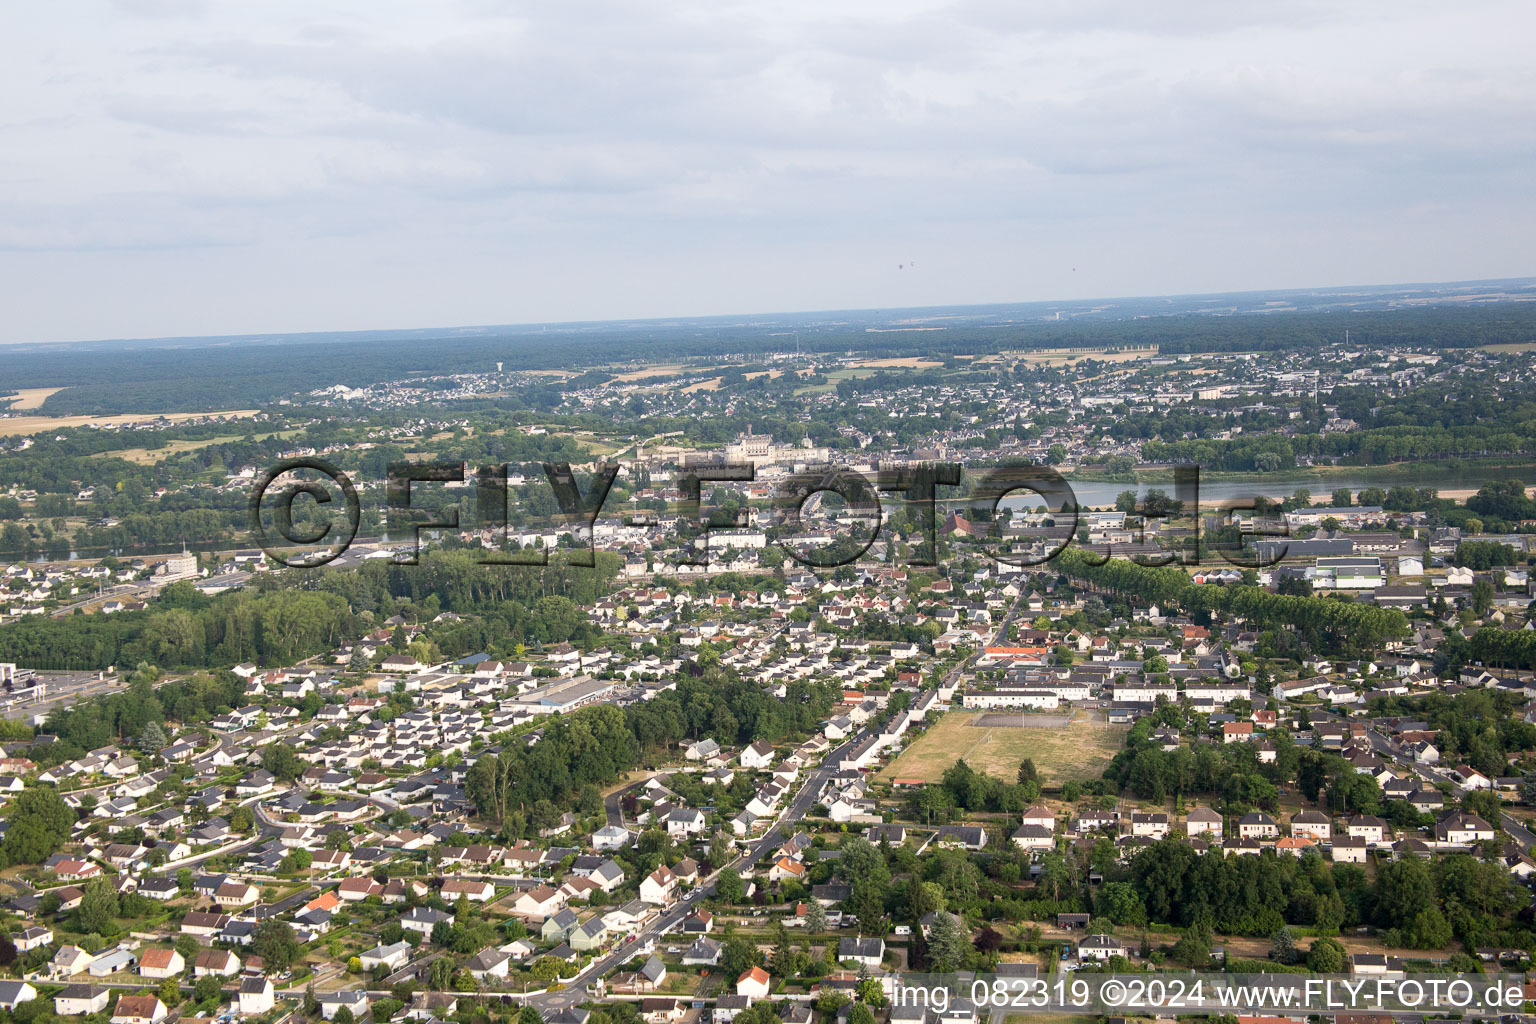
1385	475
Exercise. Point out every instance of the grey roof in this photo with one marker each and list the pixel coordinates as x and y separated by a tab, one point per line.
847	948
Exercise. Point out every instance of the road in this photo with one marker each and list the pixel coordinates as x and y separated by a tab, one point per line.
1516	829
612	802
575	991
146	589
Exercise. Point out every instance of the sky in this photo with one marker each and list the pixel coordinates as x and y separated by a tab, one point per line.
180	167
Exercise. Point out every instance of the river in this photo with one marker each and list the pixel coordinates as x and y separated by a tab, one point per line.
1093	493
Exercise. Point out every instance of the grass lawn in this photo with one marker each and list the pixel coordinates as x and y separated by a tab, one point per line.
1080	750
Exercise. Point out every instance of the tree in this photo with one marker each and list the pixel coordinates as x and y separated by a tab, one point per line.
1119	903
1194	946
719	851
152	739
860	1014
1461	963
355	964
947	943
529	1015
207	989
276	943
867	902
740	954
98	908
170	992
546	968
1482	597
1428	929
1403	889
282	761
815	916
1342	497
729	886
987	941
40	821
783	960
1027	772
923	898
440	977
1284	949
1326	957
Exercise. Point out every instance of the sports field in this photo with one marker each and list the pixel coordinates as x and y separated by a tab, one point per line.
1062	752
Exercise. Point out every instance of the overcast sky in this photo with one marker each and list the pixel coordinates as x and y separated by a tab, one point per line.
173	167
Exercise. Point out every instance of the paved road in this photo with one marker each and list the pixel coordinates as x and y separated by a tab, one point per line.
146	589
576	990
611	802
1516	829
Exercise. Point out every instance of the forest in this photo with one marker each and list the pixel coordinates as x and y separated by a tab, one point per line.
522	786
287	616
1326	624
213	374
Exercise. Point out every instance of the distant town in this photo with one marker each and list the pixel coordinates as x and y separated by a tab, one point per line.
624	775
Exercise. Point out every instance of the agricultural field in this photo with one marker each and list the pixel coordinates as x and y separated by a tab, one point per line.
29	398
1076	750
150	456
1063	356
22	425
907	362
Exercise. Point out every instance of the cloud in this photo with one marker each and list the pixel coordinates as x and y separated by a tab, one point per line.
784	137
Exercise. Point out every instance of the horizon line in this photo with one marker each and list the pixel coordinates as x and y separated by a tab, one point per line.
529	325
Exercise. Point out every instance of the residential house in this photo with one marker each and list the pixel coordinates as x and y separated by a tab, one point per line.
754	983
81	1000
256	996
138	1010
658	887
13	993
1100	947
354	1000
1257	825
161	963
